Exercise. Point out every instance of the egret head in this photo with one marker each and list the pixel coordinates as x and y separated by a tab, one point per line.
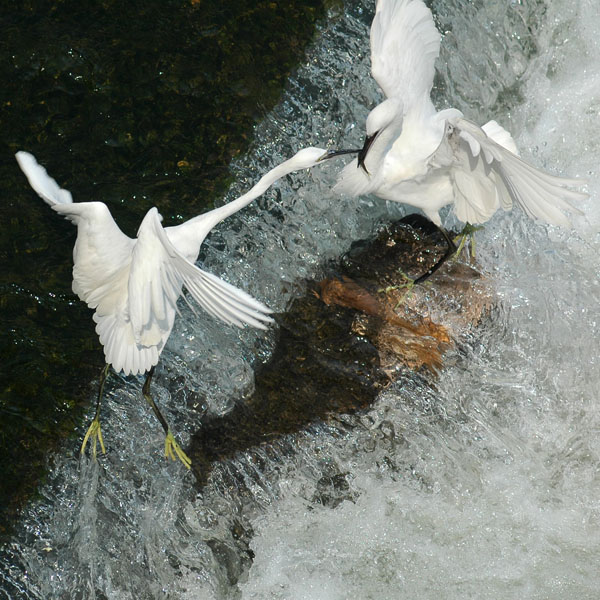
381	117
308	157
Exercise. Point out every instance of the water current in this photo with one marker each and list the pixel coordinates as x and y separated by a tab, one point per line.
482	483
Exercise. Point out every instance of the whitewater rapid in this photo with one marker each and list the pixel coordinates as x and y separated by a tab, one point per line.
482	483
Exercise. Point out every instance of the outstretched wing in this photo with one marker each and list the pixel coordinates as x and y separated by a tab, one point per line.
41	182
487	174
102	252
404	46
158	273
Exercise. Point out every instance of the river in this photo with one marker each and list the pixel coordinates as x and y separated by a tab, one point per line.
481	483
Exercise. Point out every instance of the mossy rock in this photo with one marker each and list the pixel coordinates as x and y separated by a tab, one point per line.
347	338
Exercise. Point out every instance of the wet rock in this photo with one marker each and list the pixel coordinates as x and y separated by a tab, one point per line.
346	339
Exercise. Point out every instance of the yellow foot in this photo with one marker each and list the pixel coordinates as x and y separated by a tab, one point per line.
172	448
467	232
94	433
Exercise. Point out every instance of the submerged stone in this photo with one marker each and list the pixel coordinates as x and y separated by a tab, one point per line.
348	337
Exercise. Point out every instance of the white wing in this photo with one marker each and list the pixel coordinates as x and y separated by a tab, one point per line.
404	46
41	182
497	133
101	256
102	259
487	175
102	252
158	272
152	290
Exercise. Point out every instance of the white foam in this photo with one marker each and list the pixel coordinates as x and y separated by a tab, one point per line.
492	487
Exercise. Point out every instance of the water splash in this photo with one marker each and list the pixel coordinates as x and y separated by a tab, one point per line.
482	484
488	485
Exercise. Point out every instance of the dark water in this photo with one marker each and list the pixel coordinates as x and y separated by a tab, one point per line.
136	104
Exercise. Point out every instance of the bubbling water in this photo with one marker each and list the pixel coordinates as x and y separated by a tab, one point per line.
481	483
487	483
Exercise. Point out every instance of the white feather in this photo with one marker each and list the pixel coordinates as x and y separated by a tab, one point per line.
41	182
134	284
430	159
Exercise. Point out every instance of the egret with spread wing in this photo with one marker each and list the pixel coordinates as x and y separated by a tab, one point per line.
133	284
429	159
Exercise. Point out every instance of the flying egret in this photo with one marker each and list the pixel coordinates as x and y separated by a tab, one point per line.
133	284
428	159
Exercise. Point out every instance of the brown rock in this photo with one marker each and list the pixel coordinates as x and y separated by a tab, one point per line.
346	338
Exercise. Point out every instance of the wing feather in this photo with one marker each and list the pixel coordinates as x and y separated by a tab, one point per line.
151	296
102	252
404	46
100	271
134	285
540	195
45	187
230	304
158	274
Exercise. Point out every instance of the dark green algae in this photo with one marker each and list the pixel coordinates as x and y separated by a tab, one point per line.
137	104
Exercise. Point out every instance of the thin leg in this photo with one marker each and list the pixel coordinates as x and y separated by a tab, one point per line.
94	432
468	232
450	250
416	221
172	448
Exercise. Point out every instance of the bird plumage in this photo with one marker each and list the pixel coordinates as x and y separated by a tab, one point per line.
404	46
429	159
133	284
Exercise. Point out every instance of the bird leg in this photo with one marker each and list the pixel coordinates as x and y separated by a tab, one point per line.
172	448
409	283
427	227
467	232
451	249
94	432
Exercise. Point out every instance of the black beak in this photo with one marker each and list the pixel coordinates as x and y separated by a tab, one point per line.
333	153
363	153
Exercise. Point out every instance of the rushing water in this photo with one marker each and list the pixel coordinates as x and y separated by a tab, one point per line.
140	103
483	483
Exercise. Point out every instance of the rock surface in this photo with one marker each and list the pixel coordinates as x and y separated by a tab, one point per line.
350	335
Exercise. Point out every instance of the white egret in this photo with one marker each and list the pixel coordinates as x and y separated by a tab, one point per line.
428	159
133	284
